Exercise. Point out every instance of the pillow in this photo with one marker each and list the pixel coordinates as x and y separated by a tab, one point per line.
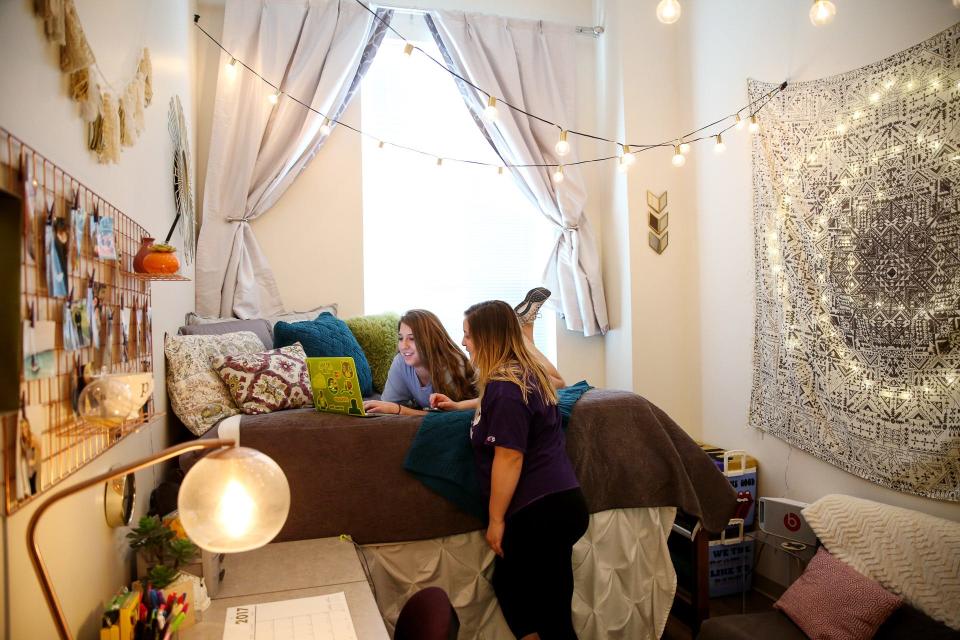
259	326
912	554
287	316
326	336
197	394
268	381
831	601
377	336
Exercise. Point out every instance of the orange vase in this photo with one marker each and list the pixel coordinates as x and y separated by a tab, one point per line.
146	246
161	262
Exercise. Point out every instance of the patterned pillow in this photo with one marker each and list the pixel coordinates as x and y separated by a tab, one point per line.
377	336
831	601
197	394
269	381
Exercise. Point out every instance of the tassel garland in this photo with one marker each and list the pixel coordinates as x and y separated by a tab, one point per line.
75	54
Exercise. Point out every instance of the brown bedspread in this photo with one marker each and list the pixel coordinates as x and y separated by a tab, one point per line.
346	473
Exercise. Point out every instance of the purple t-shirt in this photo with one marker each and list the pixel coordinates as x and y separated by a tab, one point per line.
533	428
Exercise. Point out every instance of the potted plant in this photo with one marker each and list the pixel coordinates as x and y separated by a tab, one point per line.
163	552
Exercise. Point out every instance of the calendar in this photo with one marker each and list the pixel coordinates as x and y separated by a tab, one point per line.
315	618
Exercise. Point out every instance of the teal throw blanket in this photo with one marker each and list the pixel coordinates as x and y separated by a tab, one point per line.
441	456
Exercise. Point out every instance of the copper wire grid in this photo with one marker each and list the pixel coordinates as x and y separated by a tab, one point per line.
66	443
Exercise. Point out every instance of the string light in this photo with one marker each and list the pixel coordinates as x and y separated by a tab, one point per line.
684	148
622	166
628	157
490	111
380	144
678	159
439	162
719	147
232	67
668	11
408	49
325	127
499	171
754	126
558	174
738	122
822	12
562	147
274	97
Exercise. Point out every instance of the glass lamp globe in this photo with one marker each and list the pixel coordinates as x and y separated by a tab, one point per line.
822	12
106	402
234	500
668	11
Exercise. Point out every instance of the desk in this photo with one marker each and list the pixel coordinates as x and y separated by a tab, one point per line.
287	570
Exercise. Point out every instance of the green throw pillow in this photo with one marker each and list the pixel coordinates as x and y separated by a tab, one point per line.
377	336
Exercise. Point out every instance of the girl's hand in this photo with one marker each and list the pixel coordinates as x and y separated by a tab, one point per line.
440	401
379	406
495	536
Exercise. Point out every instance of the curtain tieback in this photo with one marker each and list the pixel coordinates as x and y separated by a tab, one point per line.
232	219
572	228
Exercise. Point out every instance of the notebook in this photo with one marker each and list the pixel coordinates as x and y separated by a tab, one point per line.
335	386
316	618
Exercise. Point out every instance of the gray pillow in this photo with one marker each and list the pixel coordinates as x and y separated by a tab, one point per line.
259	326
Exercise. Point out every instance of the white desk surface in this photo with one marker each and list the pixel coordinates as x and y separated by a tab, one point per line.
288	570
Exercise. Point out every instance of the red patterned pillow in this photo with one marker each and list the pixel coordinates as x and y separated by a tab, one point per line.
832	601
267	381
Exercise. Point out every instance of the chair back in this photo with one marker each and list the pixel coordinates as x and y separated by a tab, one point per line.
427	615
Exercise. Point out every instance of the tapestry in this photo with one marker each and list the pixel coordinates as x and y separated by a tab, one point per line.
856	181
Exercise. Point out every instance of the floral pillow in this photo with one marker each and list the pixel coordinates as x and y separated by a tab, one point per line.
268	381
197	394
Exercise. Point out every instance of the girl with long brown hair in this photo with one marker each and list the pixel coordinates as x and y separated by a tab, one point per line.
536	510
428	361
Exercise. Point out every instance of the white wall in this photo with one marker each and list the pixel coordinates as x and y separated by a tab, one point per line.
773	41
320	216
87	560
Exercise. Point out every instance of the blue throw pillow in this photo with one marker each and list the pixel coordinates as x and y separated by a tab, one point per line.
325	337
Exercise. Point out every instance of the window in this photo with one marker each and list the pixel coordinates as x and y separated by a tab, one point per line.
440	237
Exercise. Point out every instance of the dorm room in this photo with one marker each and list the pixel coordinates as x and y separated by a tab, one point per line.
726	235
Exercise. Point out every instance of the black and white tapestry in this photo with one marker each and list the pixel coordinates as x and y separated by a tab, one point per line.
856	183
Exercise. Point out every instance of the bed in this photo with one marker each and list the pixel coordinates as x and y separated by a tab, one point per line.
636	467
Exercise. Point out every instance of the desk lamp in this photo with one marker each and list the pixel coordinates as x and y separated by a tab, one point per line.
231	500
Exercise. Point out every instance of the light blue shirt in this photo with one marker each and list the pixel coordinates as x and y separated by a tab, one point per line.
403	385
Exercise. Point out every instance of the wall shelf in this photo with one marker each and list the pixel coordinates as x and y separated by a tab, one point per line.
156	277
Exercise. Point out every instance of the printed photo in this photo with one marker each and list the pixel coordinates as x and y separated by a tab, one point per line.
106	243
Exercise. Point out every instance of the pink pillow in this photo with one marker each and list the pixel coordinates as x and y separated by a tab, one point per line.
267	381
831	601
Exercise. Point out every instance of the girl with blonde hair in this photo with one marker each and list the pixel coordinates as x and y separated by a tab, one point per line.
536	509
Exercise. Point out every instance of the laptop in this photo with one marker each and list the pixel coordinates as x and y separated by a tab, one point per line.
336	388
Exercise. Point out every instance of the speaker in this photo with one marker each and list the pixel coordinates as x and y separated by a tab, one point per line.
782	517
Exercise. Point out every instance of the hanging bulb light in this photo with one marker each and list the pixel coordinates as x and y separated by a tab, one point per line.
738	122
325	127
499	171
622	166
231	67
408	49
754	126
490	111
668	11
558	174
628	158
274	97
684	147
380	144
562	147
719	147
678	159
822	12
439	162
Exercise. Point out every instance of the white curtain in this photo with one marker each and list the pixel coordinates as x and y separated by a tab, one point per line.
530	64
315	51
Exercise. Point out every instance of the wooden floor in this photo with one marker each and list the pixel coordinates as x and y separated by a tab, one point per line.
755	602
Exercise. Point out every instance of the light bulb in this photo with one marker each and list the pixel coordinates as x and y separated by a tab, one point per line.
107	402
231	67
678	159
822	12
325	127
684	148
274	97
490	111
754	126
233	500
408	49
738	122
380	144
622	166
558	174
439	162
562	147
628	157
499	171
719	147
668	11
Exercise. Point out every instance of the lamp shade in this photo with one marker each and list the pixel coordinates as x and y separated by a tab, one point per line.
234	500
107	402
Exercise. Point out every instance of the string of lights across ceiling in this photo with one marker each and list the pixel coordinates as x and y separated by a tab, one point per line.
625	158
821	14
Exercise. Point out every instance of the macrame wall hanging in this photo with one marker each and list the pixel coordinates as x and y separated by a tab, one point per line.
856	186
114	119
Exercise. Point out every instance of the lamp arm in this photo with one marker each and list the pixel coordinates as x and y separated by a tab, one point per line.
56	611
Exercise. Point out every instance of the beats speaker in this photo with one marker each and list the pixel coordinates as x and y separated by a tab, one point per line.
782	517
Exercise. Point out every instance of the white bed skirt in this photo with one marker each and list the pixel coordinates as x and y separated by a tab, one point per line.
624	581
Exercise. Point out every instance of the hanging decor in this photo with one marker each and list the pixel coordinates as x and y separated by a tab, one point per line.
182	191
857	251
114	118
